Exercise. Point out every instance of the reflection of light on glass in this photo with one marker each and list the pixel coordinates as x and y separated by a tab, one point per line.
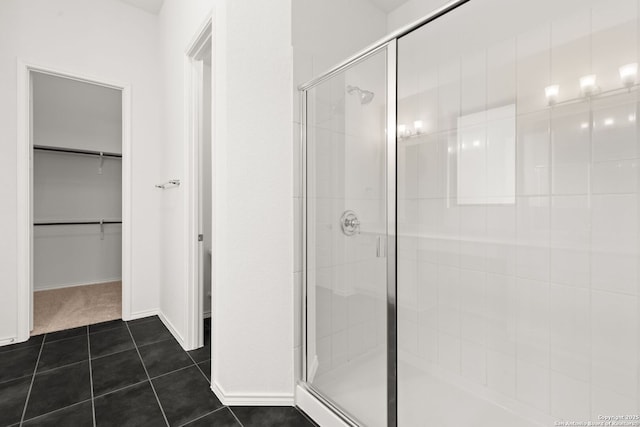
551	92
476	143
632	117
608	121
584	125
450	150
588	84
628	74
464	146
402	129
418	125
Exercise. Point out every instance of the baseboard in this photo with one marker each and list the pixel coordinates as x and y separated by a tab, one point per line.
73	285
173	330
316	410
9	341
251	399
142	314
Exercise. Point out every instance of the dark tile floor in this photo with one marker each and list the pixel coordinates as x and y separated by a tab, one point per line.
119	374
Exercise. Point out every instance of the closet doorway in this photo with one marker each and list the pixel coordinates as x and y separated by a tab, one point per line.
75	201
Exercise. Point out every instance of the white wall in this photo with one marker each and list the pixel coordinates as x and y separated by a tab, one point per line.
179	22
252	337
104	39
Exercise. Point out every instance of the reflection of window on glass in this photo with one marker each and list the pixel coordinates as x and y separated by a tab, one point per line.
487	156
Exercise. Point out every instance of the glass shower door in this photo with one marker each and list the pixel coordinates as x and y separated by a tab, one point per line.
346	239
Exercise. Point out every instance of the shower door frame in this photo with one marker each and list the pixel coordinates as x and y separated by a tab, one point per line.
388	43
389	47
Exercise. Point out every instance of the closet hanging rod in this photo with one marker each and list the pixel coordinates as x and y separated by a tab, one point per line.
76	222
75	151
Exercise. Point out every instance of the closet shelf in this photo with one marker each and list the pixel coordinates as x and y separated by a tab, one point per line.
75	151
75	222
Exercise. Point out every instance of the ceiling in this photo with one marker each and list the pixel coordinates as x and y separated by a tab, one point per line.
388	5
151	6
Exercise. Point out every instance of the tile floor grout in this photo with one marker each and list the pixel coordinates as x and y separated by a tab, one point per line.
202	416
14	379
135	344
117	390
149	379
172	372
56	368
93	403
56	410
125	387
33	377
235	416
198	366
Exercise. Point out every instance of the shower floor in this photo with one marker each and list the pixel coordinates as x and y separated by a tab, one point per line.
426	400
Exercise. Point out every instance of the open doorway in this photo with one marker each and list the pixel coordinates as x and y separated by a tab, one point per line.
73	205
200	201
74	201
77	203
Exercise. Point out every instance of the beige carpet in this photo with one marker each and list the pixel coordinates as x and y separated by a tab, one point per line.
58	309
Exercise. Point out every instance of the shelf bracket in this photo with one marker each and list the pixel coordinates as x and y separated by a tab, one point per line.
101	163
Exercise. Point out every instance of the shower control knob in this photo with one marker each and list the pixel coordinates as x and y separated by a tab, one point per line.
350	223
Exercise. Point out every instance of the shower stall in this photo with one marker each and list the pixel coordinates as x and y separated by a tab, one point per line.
472	220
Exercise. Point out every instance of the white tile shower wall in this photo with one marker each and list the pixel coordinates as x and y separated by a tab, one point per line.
535	300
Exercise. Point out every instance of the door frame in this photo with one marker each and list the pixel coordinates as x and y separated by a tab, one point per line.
194	268
25	187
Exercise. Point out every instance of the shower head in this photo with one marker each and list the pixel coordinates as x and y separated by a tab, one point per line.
365	95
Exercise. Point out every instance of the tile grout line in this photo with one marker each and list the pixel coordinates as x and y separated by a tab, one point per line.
202	416
156	342
55	411
142	381
209	381
93	403
66	339
59	367
171	372
35	369
198	366
148	377
15	379
235	416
